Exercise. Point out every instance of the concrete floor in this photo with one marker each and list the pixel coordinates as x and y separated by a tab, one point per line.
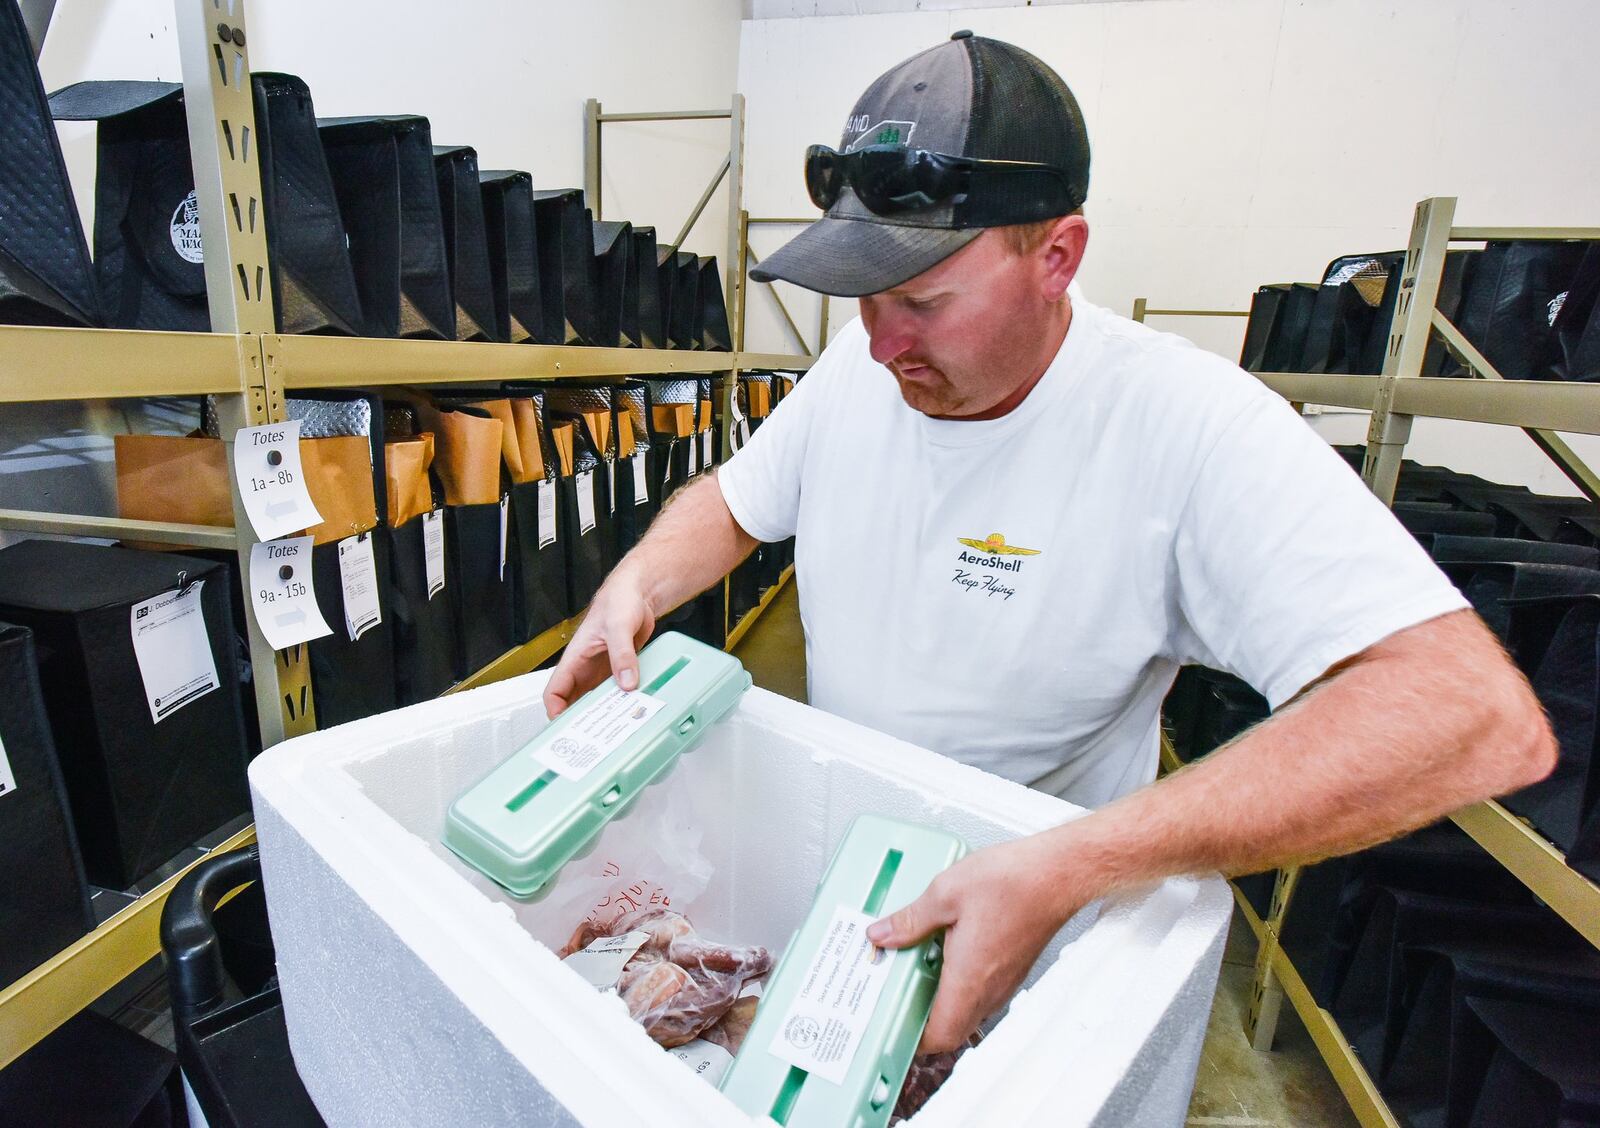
1235	1085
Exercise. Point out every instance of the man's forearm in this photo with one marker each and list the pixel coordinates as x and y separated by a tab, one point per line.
691	545
1421	725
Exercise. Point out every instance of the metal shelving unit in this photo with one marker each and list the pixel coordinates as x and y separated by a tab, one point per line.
1394	399
250	368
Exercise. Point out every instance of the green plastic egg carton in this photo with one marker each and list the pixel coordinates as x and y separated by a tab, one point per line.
546	804
840	1020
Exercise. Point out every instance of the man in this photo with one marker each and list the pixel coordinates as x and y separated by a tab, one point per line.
1019	514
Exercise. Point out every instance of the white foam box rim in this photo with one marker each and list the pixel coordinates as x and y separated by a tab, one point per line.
1055	1056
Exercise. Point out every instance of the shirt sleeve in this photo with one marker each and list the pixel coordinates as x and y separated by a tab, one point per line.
761	483
1287	564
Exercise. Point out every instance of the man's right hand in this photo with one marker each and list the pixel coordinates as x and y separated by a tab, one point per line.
607	642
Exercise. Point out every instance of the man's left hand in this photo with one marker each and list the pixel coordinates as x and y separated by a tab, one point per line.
998	909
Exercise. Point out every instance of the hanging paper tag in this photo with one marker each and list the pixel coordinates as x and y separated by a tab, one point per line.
505	509
173	650
433	550
705	450
359	575
694	455
8	781
547	512
266	464
585	502
281	592
611	486
641	481
666	469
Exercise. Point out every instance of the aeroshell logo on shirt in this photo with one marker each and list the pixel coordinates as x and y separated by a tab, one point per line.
991	552
996	553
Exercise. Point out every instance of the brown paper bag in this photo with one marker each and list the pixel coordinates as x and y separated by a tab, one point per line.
705	416
625	442
598	424
339	479
510	449
468	455
529	442
562	436
173	478
186	479
759	394
676	419
405	463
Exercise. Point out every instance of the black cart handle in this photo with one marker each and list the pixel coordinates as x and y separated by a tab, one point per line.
189	943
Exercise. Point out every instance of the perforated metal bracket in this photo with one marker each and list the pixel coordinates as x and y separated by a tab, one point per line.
225	150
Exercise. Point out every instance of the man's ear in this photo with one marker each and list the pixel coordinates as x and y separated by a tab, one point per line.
1063	251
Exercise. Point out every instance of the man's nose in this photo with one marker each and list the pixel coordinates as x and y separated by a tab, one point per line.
889	338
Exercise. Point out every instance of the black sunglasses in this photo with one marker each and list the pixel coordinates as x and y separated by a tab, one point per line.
889	179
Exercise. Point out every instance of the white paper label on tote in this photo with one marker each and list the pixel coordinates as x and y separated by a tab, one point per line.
359	575
547	512
821	1031
282	594
266	462
641	481
694	455
173	650
433	550
505	512
8	781
611	487
601	963
705	450
585	502
597	732
708	1060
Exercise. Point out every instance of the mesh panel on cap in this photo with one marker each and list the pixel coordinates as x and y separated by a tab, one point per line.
1023	111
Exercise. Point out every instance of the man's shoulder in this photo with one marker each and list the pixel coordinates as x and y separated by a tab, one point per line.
1166	374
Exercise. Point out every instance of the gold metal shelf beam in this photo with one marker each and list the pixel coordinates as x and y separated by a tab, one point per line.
37	1004
116	528
342	362
736	636
1488	234
1535	862
1359	392
39	364
1348	1071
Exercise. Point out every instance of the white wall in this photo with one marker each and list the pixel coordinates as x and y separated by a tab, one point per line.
509	78
1238	142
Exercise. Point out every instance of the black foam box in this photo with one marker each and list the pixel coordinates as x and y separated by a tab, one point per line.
93	1072
44	901
466	244
513	256
141	790
540	582
352	678
566	252
477	540
148	253
615	293
45	275
426	643
383	175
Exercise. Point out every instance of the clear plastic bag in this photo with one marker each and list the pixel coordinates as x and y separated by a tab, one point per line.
647	859
677	985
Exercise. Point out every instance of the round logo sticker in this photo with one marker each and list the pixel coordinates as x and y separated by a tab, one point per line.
186	230
802	1031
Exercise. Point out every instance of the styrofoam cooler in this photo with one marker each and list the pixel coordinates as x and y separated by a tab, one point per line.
418	993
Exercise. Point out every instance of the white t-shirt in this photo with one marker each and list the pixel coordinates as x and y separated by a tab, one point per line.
1019	593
